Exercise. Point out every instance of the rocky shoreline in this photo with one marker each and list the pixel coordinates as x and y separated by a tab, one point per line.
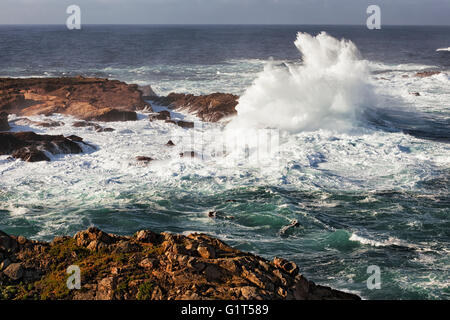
148	266
90	100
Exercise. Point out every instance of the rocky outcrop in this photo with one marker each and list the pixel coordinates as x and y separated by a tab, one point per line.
425	74
31	147
148	266
210	108
147	92
4	125
83	98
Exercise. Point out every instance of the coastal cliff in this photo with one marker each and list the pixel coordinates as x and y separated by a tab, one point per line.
148	266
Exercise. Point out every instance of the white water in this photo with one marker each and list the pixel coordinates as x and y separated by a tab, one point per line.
329	90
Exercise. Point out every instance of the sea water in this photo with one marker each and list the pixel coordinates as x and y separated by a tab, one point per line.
362	164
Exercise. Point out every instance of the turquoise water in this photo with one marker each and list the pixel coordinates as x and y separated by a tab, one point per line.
374	194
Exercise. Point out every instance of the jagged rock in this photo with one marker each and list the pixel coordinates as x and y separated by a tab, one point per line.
210	108
31	147
287	266
170	143
83	98
14	271
4	125
206	252
148	265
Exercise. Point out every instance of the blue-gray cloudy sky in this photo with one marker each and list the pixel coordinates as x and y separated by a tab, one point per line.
399	12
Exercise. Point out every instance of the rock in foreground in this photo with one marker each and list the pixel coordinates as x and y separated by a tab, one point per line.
147	266
83	98
31	147
209	108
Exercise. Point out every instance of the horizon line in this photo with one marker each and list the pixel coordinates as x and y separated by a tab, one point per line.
224	24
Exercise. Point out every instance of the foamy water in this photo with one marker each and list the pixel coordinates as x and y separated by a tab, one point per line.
363	191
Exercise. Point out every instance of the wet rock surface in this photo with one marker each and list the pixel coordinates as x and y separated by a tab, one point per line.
148	266
31	147
84	98
209	108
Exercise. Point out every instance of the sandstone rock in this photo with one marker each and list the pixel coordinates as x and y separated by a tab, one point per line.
287	266
84	238
105	289
146	236
30	146
206	252
4	125
14	271
83	98
210	108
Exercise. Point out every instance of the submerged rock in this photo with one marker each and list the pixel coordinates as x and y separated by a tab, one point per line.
162	115
44	124
84	98
210	108
425	74
31	147
150	266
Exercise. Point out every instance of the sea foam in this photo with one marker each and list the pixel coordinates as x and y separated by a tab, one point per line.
328	90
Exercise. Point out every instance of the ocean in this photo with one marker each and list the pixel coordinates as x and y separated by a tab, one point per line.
363	163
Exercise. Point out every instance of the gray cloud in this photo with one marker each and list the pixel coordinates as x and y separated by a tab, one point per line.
397	12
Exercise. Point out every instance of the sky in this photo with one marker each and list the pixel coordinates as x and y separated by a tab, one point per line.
393	12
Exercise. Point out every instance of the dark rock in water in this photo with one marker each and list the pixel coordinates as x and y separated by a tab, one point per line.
170	143
210	108
94	126
144	159
149	266
219	215
185	124
425	74
75	138
294	224
182	124
31	147
84	98
162	115
4	125
417	94
30	155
